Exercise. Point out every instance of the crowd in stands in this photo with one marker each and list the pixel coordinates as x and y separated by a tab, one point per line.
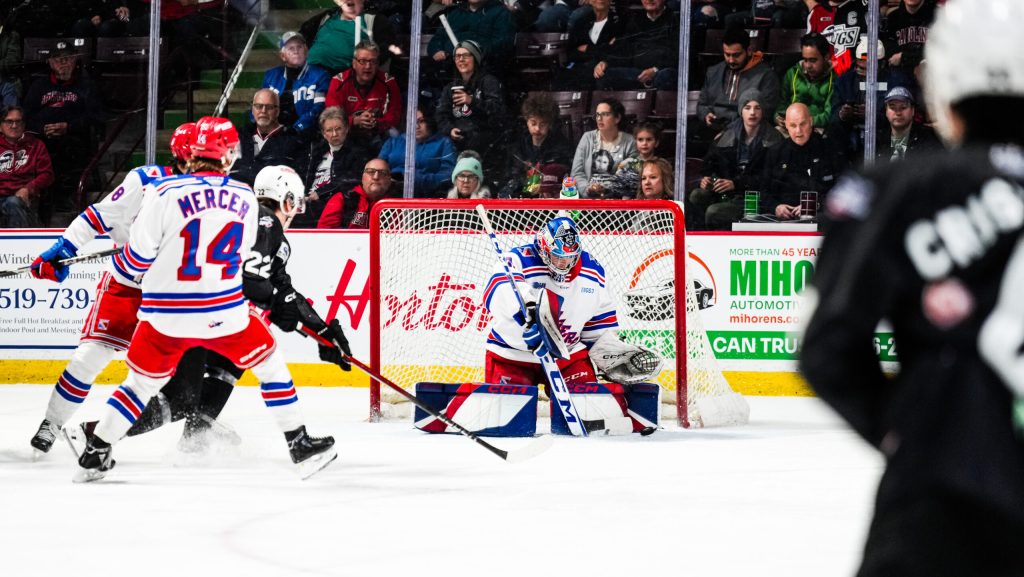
334	110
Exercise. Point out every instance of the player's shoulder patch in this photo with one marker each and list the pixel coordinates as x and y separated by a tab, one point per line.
267	221
850	199
284	252
590	262
527	255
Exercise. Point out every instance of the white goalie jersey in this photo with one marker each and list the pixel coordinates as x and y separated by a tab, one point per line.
113	216
585	307
188	245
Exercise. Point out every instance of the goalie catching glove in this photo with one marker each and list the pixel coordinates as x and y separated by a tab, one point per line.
334	334
624	363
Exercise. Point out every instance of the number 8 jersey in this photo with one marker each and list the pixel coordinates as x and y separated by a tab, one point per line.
188	243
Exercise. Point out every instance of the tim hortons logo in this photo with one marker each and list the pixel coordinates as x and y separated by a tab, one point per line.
445	306
355	304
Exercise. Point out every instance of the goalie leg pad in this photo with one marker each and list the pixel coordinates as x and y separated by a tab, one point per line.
487	410
611	403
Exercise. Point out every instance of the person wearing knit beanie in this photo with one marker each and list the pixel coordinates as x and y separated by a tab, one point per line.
468	178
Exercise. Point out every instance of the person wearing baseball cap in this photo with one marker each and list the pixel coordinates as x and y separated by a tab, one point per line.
904	135
301	86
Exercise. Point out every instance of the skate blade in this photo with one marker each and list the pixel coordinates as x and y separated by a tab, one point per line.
90	475
316	463
37	455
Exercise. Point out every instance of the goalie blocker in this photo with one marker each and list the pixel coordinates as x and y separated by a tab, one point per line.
511	410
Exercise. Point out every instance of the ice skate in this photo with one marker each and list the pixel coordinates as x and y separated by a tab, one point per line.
201	431
94	462
77	436
42	441
311	454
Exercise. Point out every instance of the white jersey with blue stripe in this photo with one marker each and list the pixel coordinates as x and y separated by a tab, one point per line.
113	216
586	307
188	245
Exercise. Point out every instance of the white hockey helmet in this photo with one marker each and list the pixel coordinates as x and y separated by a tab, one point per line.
974	48
282	184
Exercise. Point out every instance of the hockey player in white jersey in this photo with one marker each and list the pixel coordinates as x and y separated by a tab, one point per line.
188	244
571	315
112	318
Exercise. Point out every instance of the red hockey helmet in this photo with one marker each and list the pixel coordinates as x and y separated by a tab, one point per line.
216	139
181	141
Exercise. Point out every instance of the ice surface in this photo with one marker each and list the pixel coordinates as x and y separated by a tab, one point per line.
788	495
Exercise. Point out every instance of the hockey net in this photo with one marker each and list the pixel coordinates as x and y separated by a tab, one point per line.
430	262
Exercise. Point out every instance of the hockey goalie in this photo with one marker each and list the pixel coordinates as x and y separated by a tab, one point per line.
571	315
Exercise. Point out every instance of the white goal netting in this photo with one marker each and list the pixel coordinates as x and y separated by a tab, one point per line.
431	261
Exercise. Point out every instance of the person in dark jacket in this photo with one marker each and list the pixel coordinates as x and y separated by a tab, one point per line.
435	157
62	109
806	161
647	53
266	142
537	144
332	164
488	23
471	110
907	31
103	18
588	58
734	164
904	137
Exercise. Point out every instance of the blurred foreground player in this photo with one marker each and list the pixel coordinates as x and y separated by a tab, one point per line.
934	245
112	317
267	285
571	315
188	245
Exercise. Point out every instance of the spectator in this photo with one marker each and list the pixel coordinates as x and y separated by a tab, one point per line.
487	23
805	162
602	149
591	39
471	110
555	16
844	24
266	142
103	18
468	178
847	125
369	97
647	54
780	13
549	184
535	146
657	181
332	165
712	13
334	35
734	164
301	87
352	208
25	171
726	81
10	63
626	182
810	81
904	135
906	33
62	109
435	156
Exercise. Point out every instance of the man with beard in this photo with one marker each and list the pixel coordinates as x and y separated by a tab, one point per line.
742	70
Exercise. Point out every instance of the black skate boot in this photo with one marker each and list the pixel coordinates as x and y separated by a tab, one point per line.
77	436
43	439
202	431
311	454
95	461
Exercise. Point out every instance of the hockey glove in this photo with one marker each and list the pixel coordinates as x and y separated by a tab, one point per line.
285	311
47	265
535	340
333	333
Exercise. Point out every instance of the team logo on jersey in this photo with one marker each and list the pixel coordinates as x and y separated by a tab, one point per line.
267	221
284	252
946	303
103	324
842	37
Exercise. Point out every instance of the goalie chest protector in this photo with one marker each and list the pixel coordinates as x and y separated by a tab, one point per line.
487	410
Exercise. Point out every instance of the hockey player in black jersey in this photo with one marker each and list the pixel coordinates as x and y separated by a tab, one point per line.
934	245
199	395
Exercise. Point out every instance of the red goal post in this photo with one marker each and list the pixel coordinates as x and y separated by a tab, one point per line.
430	261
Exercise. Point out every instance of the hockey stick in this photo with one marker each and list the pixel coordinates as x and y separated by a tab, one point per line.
230	86
68	261
561	392
538	446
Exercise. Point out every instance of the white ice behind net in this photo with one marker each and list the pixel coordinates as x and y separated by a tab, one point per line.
434	264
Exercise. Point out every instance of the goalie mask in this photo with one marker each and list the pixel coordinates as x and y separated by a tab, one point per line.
558	245
282	185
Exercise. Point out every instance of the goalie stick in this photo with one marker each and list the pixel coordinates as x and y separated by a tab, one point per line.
538	446
558	388
68	261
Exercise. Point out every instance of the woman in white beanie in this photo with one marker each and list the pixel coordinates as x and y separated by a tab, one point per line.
468	178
